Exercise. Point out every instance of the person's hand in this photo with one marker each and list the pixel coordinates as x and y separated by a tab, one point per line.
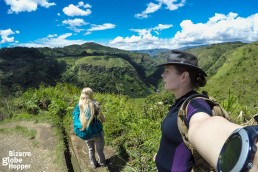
255	163
154	157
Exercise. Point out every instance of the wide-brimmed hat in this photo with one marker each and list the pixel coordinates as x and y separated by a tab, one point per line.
177	57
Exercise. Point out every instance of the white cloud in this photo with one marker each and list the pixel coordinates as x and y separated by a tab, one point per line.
53	41
64	36
27	5
5	35
219	28
172	4
163	26
81	4
144	39
58	14
137	42
75	23
160	27
73	10
142	32
52	35
152	7
104	26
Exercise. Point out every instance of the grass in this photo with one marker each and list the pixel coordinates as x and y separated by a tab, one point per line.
107	61
24	131
24	116
60	148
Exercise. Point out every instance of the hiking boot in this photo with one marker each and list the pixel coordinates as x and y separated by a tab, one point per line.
105	164
94	166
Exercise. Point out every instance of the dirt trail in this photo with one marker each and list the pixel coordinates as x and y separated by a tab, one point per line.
79	151
41	148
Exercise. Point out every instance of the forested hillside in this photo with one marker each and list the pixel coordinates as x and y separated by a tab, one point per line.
239	74
212	57
22	68
103	68
230	67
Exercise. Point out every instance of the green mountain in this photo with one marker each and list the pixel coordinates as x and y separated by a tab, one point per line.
152	52
103	68
22	68
238	73
212	57
230	67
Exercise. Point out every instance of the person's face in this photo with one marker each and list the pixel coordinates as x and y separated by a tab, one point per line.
171	78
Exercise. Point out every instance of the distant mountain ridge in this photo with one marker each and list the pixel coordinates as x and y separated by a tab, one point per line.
157	51
151	52
230	66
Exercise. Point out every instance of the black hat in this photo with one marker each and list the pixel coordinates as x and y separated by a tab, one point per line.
177	57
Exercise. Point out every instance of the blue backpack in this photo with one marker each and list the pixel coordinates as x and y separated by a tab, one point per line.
94	129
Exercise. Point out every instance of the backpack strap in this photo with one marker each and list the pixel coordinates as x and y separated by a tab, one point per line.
200	164
182	119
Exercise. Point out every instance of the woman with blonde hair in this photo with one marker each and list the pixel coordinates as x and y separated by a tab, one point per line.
90	116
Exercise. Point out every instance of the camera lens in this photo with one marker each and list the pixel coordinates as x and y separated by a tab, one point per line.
230	153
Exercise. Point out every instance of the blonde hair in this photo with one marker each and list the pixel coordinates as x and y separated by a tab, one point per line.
86	102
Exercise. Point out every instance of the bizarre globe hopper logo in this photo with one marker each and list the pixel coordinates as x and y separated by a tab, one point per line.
14	160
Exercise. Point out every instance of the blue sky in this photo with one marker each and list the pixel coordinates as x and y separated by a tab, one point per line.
127	24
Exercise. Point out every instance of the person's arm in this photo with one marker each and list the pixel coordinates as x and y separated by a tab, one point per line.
208	135
99	113
101	117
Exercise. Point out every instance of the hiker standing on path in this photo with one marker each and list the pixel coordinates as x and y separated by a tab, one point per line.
206	134
90	115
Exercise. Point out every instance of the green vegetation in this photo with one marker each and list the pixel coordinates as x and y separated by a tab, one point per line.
108	74
239	74
36	81
128	125
106	69
22	68
31	134
107	61
24	131
213	55
129	121
6	108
